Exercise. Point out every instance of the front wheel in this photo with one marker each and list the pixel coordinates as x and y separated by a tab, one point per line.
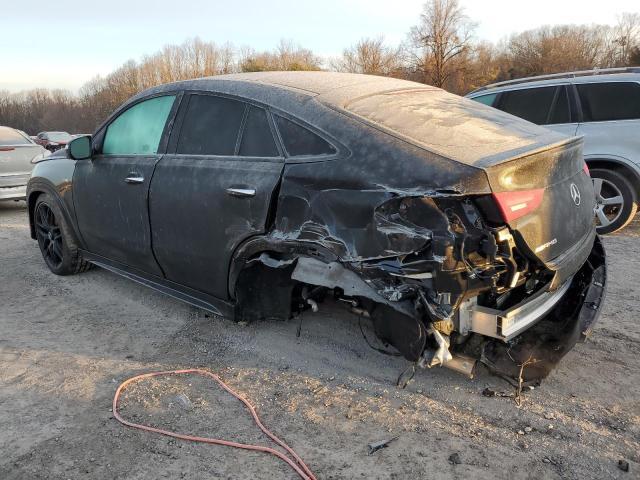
615	200
57	244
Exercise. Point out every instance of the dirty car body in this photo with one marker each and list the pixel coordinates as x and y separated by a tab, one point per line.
458	229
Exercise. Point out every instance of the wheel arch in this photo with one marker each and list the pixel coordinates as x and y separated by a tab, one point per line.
37	188
625	167
256	246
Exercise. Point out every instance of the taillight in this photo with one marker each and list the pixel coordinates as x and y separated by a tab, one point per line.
585	167
517	204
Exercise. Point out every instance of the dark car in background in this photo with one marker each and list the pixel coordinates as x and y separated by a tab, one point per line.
17	154
53	141
461	231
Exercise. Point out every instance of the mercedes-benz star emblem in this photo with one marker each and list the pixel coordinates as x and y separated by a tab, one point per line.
575	194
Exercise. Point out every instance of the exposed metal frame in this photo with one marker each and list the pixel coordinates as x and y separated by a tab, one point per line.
507	324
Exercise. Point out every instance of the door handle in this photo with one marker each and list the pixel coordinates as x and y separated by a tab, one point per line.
134	178
241	192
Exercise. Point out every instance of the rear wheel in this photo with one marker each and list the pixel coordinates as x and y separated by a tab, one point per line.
56	242
615	200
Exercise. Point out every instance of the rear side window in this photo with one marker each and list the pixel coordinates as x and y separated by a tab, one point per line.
137	131
532	104
609	101
299	141
8	136
486	99
257	140
211	126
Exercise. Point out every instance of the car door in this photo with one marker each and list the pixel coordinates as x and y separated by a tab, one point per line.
213	190
110	191
611	119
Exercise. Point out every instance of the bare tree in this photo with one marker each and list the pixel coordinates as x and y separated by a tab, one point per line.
439	51
286	56
444	32
370	56
627	36
557	49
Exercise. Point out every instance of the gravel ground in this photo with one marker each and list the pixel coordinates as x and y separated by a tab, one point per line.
67	342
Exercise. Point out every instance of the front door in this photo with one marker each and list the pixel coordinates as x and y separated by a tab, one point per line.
110	191
214	190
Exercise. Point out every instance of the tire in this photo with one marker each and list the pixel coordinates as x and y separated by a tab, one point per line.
55	238
616	202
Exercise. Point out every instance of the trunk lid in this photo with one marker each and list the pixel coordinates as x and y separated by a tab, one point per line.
16	159
562	218
543	170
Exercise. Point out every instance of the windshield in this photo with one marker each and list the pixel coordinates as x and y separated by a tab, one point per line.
59	136
9	136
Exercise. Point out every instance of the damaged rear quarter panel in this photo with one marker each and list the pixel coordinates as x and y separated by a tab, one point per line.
340	203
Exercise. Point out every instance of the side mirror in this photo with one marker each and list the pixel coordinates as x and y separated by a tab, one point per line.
80	148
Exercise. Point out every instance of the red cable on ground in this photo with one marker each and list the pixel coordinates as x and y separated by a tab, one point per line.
298	465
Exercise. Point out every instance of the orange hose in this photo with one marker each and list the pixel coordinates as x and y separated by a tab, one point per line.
298	465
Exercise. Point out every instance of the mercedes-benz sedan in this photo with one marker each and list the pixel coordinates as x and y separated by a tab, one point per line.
462	232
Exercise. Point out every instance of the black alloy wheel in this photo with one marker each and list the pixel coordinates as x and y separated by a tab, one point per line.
49	236
56	240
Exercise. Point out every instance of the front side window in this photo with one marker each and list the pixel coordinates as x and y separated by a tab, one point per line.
609	101
138	130
299	141
486	99
211	126
532	104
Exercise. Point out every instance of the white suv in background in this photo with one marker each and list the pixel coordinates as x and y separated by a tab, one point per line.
604	107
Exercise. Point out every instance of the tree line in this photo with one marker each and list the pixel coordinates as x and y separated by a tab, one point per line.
440	50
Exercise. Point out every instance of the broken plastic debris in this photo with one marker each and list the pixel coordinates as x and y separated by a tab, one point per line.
375	446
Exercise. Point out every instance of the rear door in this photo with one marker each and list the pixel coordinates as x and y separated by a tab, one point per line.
611	118
213	190
548	106
110	191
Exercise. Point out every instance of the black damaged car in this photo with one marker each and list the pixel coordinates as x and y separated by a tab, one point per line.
463	232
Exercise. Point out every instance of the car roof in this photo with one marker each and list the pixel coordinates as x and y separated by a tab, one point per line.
333	88
555	80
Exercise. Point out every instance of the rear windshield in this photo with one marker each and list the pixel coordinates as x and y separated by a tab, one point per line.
447	124
8	136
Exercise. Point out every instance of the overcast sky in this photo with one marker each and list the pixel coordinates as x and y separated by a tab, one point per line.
66	42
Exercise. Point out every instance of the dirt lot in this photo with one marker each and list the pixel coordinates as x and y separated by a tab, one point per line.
67	342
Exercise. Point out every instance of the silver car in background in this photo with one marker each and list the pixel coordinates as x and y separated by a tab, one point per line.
601	105
17	152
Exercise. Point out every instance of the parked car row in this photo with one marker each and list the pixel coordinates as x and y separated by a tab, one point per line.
53	141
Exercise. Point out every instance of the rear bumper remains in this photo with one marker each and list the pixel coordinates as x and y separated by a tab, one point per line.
569	320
